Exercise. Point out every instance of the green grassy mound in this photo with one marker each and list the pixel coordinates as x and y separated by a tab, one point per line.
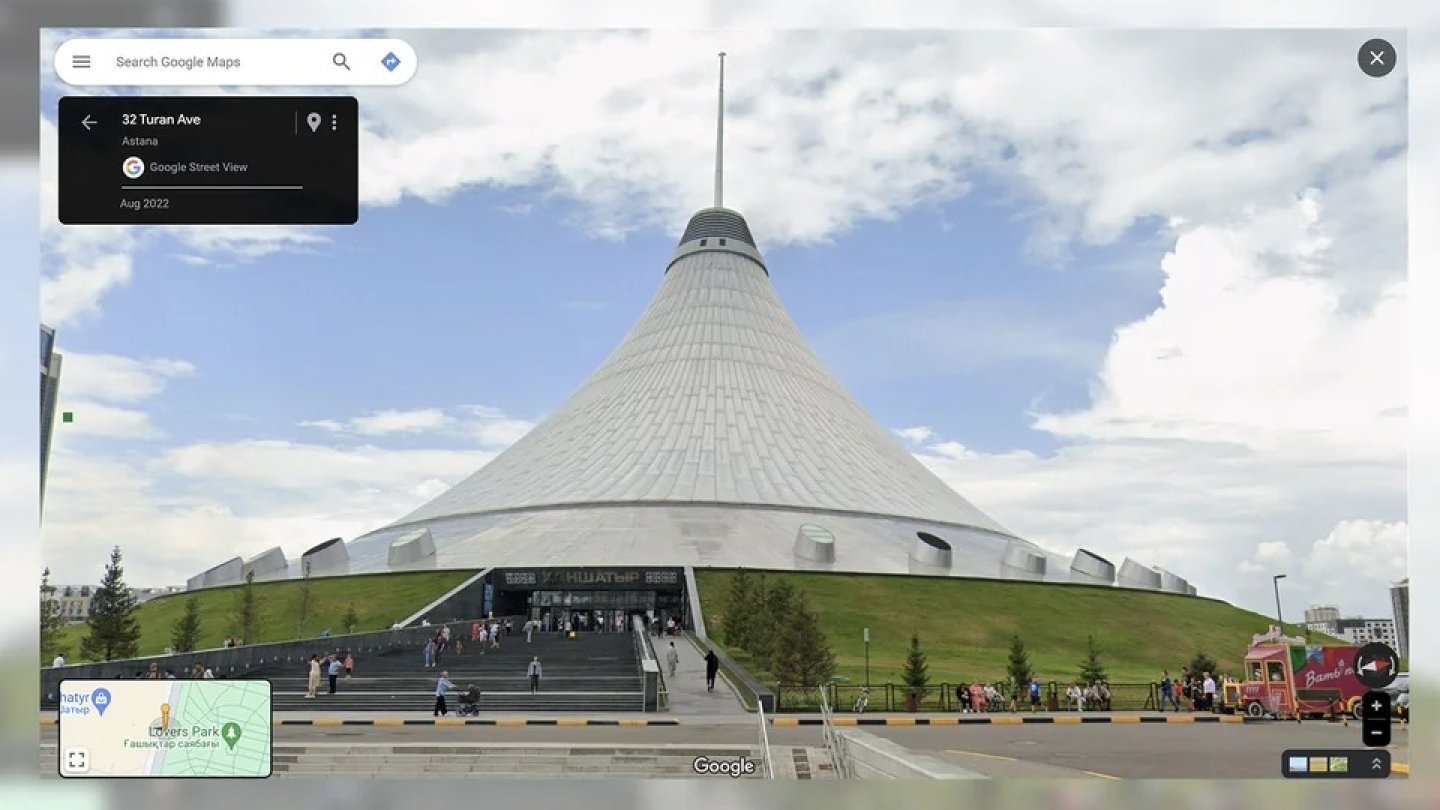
380	600
965	626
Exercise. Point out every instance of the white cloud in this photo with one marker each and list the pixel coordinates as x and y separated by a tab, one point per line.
1371	551
1270	558
483	424
183	510
915	435
1258	408
98	419
117	379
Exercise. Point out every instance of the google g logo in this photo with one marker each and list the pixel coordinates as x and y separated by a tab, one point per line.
133	167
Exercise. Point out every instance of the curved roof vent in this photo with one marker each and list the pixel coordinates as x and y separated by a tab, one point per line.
329	556
930	549
1134	575
717	230
412	548
815	543
1021	561
718	223
1091	568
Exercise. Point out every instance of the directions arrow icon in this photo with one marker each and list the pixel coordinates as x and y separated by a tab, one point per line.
1375	666
87	122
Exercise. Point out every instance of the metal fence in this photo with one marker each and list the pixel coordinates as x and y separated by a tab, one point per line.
942	697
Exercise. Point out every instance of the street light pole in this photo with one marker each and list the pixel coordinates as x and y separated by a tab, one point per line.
867	658
1279	617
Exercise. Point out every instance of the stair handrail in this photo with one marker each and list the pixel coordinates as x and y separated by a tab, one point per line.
645	651
765	743
828	736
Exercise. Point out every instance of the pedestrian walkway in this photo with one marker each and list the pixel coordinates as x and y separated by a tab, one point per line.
686	691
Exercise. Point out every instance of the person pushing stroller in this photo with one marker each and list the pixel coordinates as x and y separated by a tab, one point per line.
470	701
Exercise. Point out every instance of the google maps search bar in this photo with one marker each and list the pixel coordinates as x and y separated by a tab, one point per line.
211	62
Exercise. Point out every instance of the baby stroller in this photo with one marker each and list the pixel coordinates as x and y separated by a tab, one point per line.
470	701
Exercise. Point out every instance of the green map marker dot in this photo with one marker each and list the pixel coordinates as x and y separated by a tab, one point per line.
67	417
230	733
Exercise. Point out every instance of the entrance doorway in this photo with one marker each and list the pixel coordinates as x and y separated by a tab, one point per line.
600	611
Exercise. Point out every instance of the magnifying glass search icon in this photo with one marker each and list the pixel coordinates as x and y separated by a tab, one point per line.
339	60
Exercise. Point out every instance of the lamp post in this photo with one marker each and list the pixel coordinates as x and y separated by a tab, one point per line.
1279	618
867	658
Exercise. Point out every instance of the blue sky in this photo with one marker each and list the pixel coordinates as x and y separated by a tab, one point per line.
1099	308
494	298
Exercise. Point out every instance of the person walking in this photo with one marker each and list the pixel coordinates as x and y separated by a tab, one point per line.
349	666
507	628
312	684
430	653
1076	697
529	631
534	672
474	632
1034	694
712	668
1208	690
672	658
442	686
962	697
977	697
335	669
1167	690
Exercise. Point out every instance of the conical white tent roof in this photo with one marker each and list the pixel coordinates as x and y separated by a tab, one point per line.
714	397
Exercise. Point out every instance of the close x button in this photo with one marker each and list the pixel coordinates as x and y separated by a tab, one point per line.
1375	722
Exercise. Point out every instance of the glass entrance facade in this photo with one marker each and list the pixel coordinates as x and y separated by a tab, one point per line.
601	611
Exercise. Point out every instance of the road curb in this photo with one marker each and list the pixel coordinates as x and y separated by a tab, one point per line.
473	721
1009	720
923	720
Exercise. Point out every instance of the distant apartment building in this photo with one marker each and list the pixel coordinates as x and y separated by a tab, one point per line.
1358	631
74	600
1322	619
1400	605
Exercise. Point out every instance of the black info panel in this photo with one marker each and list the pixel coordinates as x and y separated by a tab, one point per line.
208	160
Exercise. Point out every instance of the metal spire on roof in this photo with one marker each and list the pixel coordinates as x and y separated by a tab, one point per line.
720	139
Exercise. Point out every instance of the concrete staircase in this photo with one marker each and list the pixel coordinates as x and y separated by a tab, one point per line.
594	672
522	761
517	761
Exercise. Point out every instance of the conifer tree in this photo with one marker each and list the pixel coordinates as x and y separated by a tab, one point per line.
1092	669
52	621
113	633
245	619
777	607
185	635
736	622
802	654
1018	665
916	675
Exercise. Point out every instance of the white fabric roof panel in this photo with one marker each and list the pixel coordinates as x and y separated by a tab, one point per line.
713	397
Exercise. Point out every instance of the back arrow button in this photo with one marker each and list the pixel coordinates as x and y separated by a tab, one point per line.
87	122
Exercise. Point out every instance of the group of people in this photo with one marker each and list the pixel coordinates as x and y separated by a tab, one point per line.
1189	692
155	673
978	698
1094	697
329	666
443	686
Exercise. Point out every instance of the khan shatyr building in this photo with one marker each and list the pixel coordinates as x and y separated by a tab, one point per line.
711	437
